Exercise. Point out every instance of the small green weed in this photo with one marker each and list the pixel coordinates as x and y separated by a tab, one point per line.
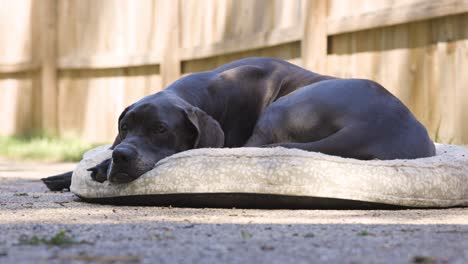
424	260
162	237
59	239
246	234
364	233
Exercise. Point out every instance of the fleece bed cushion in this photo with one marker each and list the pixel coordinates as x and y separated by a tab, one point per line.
284	178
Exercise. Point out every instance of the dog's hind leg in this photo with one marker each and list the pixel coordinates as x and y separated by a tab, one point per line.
351	142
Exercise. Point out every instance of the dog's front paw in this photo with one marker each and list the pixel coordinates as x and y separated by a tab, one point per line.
99	172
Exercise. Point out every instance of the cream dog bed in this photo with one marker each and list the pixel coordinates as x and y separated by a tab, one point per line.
284	178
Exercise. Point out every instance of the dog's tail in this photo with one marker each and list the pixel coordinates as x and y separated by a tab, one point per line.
58	182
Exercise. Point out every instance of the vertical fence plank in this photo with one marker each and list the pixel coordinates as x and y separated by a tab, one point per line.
314	40
48	46
170	63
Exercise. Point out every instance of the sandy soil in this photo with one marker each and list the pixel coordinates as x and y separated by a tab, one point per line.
38	226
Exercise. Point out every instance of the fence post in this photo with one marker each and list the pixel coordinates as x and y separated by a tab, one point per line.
48	74
314	39
170	61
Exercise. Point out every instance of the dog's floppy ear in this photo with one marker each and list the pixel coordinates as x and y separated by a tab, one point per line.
118	139
210	134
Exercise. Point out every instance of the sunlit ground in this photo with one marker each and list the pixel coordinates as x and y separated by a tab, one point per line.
38	226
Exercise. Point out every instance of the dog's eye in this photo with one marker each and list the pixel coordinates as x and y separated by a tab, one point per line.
160	128
124	128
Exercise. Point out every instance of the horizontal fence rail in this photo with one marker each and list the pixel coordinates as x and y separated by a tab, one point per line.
420	10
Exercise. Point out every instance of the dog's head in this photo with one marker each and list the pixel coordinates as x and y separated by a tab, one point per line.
156	127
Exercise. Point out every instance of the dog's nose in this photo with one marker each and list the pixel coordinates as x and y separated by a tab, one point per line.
123	154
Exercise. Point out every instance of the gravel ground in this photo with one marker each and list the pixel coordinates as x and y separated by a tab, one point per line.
38	226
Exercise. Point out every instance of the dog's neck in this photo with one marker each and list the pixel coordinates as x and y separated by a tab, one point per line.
194	89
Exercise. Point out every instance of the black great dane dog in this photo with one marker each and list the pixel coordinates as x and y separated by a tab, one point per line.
261	102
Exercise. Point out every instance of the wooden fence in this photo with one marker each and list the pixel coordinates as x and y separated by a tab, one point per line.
71	66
